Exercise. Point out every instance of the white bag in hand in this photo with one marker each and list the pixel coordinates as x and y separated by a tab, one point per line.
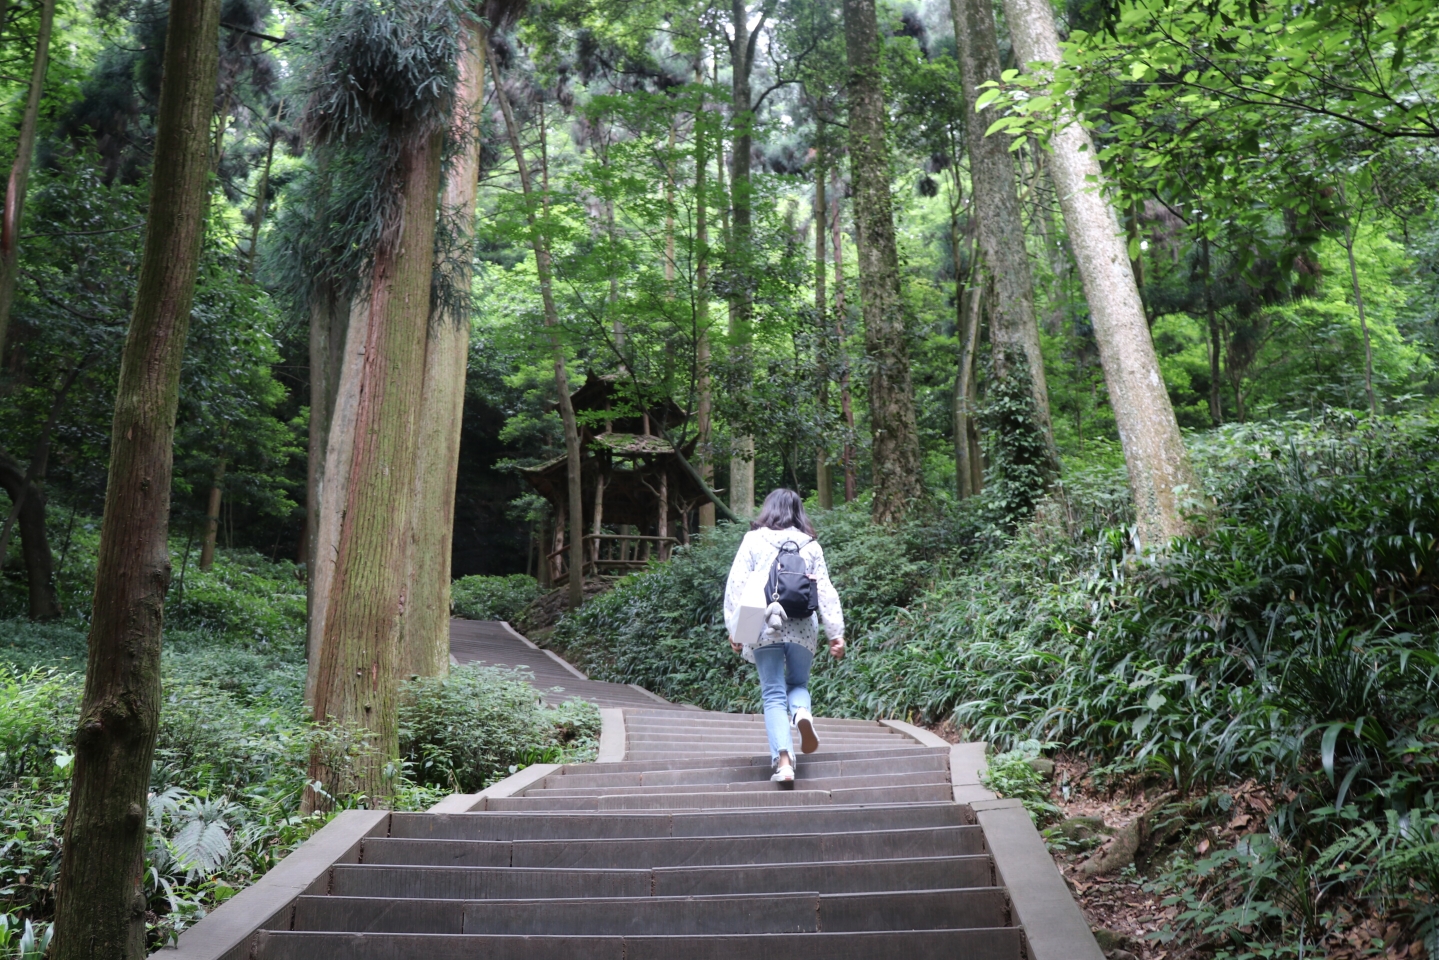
750	621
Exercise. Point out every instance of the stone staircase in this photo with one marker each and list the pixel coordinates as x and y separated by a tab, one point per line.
675	844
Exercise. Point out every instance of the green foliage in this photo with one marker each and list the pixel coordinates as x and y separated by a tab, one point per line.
480	724
493	598
1019	463
234	744
1010	774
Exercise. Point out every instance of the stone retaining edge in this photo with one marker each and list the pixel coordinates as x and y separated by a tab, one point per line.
226	932
915	733
570	667
515	783
1054	926
612	735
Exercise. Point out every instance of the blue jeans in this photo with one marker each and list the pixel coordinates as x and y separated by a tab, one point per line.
784	687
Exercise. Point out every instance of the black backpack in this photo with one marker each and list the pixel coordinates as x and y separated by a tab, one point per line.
789	583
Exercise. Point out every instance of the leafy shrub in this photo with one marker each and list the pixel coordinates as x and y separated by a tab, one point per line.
478	724
36	716
244	597
493	598
1011	774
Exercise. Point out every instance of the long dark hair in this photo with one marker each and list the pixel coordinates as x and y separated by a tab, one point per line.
782	510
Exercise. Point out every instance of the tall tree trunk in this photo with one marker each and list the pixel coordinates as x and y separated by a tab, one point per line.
824	483
1013	327
968	463
27	505
1216	407
1159	469
357	686
262	195
895	444
575	495
425	648
212	516
15	186
1358	302
703	416
846	401
100	903
338	334
739	250
27	498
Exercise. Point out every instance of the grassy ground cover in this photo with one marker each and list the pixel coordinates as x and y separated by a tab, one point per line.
1287	653
234	742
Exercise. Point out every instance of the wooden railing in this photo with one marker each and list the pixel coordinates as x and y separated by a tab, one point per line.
608	553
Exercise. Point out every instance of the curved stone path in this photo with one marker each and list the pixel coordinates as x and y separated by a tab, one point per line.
672	844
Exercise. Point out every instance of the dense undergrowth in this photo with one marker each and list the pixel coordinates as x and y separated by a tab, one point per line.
1292	640
233	749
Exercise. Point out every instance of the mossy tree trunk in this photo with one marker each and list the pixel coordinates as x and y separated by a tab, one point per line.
895	443
100	904
357	685
739	250
705	413
338	330
15	186
823	481
846	402
1012	325
1158	465
425	649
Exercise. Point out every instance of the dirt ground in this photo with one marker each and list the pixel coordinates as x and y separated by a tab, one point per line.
1123	914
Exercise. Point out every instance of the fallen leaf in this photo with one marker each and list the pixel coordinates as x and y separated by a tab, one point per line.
1239	822
1203	847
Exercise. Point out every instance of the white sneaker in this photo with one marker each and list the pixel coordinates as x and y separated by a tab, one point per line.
784	773
808	739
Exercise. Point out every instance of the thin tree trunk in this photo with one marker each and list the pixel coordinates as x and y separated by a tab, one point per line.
895	444
1359	306
27	513
662	522
15	187
425	646
557	349
261	196
740	249
1013	327
597	517
212	516
965	436
1160	475
338	334
358	685
100	903
705	413
1216	408
846	402
824	483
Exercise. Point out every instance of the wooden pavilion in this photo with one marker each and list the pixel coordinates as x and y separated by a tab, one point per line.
639	501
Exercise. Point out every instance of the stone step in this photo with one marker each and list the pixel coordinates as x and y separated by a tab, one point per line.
535	883
633	853
680	743
992	944
619	825
806	769
675	916
652	717
778	796
806	783
669	761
